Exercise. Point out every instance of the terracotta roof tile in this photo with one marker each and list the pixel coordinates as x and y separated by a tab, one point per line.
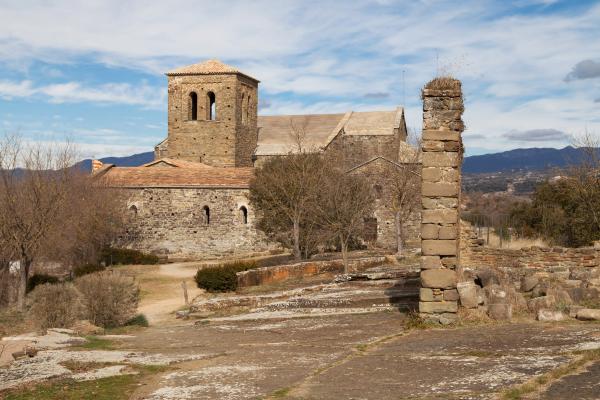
177	173
209	67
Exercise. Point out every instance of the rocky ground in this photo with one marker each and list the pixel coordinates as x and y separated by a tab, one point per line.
345	340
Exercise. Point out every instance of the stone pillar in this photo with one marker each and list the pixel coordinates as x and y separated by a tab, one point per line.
442	159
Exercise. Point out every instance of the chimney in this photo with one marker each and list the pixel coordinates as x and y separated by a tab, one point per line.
96	165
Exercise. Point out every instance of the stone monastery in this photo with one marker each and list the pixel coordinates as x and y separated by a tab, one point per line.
192	200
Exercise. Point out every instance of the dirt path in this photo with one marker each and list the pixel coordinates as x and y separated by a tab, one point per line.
162	292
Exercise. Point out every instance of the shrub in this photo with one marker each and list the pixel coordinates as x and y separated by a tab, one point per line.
39	279
223	277
112	256
87	269
56	305
110	298
138	320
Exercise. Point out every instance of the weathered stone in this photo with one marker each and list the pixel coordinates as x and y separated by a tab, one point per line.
448	232
529	282
440	189
550	315
451	295
438	278
468	294
447	318
441	135
572	283
541	302
495	294
440	159
500	311
561	296
429	231
432	145
427	294
431	174
488	277
573	309
430	262
437	307
588	314
443	216
439	247
85	327
451	146
449	262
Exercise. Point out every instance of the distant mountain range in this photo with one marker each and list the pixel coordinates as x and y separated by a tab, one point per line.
533	159
513	160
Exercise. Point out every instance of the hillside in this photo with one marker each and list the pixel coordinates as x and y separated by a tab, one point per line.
533	159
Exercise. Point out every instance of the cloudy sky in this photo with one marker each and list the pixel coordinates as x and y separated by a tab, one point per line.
93	71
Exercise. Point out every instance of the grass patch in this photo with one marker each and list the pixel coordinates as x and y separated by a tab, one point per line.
79	366
361	347
414	321
138	320
536	383
280	393
222	278
113	388
96	343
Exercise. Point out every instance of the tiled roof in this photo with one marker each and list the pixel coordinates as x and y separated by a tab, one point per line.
210	67
276	133
176	173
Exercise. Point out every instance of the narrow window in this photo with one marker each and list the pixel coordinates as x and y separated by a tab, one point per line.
243	110
243	215
206	215
370	229
193	111
378	191
248	111
212	106
133	211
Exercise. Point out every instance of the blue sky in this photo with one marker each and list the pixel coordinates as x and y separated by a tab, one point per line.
93	71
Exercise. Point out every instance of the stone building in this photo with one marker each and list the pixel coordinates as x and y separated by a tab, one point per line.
193	199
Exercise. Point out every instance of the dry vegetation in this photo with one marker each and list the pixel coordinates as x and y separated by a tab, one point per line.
443	83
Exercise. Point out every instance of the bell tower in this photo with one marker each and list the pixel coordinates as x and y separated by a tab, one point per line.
212	114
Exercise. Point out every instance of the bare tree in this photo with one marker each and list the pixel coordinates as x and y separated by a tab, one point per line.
48	209
585	174
405	193
284	192
343	203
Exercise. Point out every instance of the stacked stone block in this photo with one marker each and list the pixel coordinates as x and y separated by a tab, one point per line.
440	233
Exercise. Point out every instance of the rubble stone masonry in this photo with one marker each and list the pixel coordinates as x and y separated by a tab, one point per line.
440	232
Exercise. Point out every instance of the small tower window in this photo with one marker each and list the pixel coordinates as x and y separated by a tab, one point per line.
243	109
206	215
248	110
243	215
211	106
133	211
378	191
193	108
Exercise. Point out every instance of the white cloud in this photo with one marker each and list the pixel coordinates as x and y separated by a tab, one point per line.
74	92
324	56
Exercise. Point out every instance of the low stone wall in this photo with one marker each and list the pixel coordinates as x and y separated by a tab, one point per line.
280	273
475	254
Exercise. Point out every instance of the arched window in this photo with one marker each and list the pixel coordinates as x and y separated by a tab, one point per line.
206	215
193	107
133	211
378	191
248	110
243	215
211	106
243	109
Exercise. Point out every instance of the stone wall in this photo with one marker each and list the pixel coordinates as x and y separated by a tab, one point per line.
279	273
229	140
441	160
171	222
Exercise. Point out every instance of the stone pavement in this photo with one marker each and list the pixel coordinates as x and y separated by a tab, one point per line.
363	356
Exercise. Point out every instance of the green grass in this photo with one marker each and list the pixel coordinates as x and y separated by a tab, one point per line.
280	393
96	343
113	388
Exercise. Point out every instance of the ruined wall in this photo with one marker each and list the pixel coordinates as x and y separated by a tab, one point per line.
441	159
171	222
226	141
380	174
